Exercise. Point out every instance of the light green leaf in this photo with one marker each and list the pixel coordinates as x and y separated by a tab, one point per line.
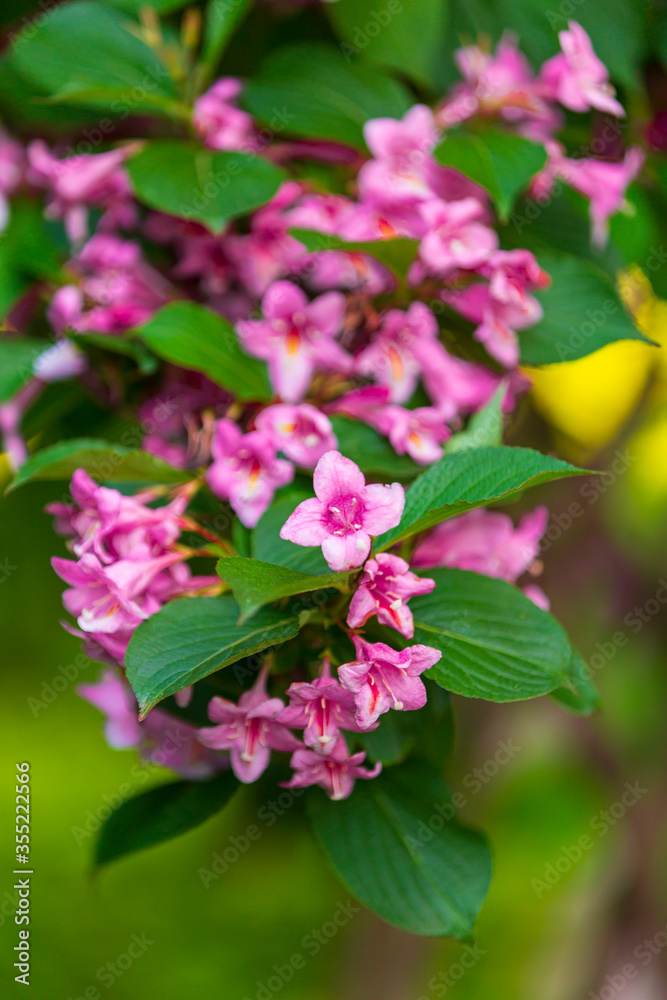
162	813
257	583
395	845
108	463
472	478
190	638
501	162
397	253
311	90
190	182
495	643
485	428
191	336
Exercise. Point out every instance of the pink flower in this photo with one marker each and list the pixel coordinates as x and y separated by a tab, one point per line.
605	184
160	738
63	360
303	433
419	432
382	678
335	773
400	349
344	513
296	336
456	236
486	542
249	730
576	77
220	123
12	169
385	588
268	251
245	470
457	387
402	165
75	183
321	708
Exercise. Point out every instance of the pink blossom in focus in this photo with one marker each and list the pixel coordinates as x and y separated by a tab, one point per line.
245	470
576	78
220	123
384	590
303	433
249	730
296	337
321	708
344	513
382	678
335	773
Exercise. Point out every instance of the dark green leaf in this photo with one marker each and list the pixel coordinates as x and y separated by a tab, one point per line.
194	337
220	21
495	643
190	638
17	357
311	90
160	814
370	451
582	313
27	252
396	846
404	36
108	463
258	583
190	182
579	694
501	162
471	478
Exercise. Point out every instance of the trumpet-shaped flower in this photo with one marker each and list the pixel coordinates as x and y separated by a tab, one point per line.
303	433
385	588
344	513
335	773
576	78
321	708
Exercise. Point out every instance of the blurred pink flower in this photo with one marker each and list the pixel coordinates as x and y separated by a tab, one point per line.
455	237
303	433
220	123
576	78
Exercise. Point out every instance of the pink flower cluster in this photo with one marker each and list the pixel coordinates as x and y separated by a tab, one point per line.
128	563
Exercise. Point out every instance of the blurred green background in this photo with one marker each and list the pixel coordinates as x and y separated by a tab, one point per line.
555	942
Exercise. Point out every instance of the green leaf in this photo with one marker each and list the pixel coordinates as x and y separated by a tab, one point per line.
128	346
267	544
86	45
220	22
257	583
501	162
27	252
311	90
108	463
161	813
579	694
136	6
485	428
117	99
190	638
397	254
495	643
404	36
190	182
17	357
582	313
370	451
395	844
191	336
471	478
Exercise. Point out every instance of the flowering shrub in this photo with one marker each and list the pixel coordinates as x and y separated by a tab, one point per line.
292	336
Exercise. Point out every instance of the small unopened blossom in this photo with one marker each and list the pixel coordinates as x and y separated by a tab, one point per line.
303	433
385	589
486	542
335	773
321	708
78	182
220	123
249	730
296	337
576	78
456	236
245	470
382	678
344	513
